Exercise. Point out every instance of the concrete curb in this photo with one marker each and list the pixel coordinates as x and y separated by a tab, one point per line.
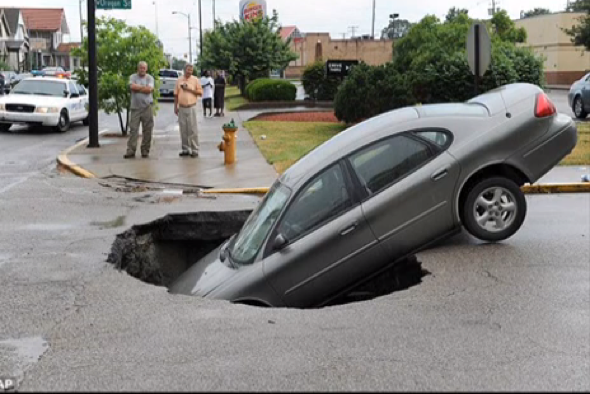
62	159
547	188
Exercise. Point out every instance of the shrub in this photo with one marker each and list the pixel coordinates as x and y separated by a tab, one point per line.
317	85
272	90
250	86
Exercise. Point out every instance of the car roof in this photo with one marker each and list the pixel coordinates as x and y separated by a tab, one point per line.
482	107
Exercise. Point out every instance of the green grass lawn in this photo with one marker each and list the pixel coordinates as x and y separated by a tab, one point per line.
233	98
581	153
287	142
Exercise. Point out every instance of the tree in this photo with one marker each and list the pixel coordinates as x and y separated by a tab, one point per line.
535	12
580	33
579	6
120	48
454	13
178	64
397	28
246	49
505	28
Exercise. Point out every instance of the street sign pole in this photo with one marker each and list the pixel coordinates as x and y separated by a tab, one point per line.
92	77
477	54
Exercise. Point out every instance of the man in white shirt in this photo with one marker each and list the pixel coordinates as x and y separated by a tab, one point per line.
208	85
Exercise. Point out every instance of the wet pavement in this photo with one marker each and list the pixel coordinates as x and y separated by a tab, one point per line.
502	317
559	98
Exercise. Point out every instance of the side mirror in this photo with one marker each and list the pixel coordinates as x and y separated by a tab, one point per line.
279	243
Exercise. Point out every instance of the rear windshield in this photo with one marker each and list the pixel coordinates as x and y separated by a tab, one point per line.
168	74
453	109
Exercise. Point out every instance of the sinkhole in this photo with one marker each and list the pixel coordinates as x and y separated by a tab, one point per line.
160	251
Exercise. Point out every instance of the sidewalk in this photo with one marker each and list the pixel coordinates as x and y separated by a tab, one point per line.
165	166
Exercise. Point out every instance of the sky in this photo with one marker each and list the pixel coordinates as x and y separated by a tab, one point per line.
336	17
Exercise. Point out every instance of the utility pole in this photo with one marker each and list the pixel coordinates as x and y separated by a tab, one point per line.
81	28
353	29
214	15
373	29
157	30
190	44
492	10
200	32
92	77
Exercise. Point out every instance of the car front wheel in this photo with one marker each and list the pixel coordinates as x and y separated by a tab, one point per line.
64	122
494	209
579	108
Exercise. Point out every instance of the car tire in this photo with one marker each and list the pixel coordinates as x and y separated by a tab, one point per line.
64	122
578	108
4	127
86	121
494	210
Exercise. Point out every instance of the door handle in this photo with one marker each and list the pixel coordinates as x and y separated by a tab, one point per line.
440	174
349	229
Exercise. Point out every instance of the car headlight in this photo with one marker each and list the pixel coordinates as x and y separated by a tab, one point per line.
2	107
47	110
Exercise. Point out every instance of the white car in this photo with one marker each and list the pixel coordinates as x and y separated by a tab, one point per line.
44	101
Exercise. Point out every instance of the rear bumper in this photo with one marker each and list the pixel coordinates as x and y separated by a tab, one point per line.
559	142
29	118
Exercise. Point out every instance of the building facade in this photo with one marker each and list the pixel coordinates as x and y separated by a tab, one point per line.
312	47
564	62
17	42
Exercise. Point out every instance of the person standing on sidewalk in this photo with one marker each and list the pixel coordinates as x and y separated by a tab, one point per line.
219	94
208	85
142	100
186	92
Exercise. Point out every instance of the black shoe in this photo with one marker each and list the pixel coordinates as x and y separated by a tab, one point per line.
145	155
129	156
195	154
183	154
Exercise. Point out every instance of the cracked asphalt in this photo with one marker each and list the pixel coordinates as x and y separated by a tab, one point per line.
502	317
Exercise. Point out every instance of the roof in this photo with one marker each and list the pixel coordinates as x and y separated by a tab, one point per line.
286	31
12	16
67	48
43	19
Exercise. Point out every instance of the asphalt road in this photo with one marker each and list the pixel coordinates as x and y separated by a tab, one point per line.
509	316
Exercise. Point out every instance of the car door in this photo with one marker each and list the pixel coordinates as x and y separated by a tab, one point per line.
408	182
328	241
74	102
83	100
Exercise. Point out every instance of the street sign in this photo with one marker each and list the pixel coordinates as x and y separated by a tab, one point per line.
479	51
113	4
339	68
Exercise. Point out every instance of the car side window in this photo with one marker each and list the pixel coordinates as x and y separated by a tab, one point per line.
380	165
73	88
81	90
438	137
324	198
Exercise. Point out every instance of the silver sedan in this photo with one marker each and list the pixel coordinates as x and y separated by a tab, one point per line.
385	189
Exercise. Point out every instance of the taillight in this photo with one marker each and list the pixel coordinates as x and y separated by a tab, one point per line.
544	107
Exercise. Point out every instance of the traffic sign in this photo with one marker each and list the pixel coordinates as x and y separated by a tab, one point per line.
113	4
479	51
339	68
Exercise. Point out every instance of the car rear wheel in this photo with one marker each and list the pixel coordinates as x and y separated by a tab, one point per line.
4	127
494	209
64	122
579	108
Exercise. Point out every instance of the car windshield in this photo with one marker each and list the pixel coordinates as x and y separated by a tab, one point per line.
246	245
38	87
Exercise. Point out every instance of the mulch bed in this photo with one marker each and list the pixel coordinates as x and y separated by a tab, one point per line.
321	116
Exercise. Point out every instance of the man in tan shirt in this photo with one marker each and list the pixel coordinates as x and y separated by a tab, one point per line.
187	90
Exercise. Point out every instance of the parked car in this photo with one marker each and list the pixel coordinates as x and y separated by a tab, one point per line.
579	97
168	80
383	190
8	78
44	101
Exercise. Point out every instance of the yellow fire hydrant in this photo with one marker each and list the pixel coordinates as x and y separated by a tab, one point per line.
228	145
